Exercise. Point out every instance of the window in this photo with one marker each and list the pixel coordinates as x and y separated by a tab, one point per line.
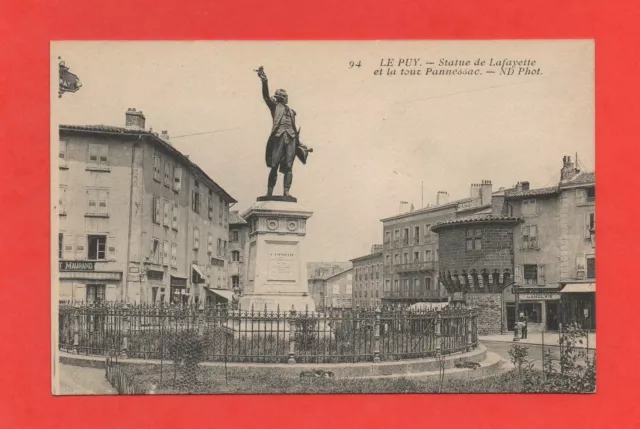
235	281
591	195
167	174
416	234
174	255
427	283
96	293
529	237
220	211
529	208
234	236
167	214
405	236
336	289
97	247
62	152
405	258
210	244
427	231
427	255
589	224
591	267
157	161
387	259
532	311
224	248
235	256
219	247
387	285
530	273
99	155
97	201
196	238
387	236
396	259
210	204
155	251
437	254
195	197
396	287
60	245
174	216
416	256
416	286
474	239
177	178
157	210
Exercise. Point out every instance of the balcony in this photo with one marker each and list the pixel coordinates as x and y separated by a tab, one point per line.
419	295
414	267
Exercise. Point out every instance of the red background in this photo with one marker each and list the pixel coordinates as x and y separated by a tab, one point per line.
26	29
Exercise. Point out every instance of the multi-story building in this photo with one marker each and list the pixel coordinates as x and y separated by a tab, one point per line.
318	272
138	220
536	243
368	280
411	253
238	239
339	289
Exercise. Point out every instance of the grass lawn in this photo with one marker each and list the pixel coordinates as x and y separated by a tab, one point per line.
212	382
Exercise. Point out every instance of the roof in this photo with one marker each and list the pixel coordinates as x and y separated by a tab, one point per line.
586	178
428	209
326	267
338	274
236	219
514	193
477	218
111	130
365	257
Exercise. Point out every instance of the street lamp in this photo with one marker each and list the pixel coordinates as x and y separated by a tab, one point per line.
515	289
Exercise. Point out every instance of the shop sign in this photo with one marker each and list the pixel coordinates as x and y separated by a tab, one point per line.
540	296
76	266
178	282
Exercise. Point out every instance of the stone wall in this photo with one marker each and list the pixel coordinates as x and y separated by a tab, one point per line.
490	312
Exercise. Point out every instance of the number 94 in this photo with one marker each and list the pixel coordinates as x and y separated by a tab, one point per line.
353	64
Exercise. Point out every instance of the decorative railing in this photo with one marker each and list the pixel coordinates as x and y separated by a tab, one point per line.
228	335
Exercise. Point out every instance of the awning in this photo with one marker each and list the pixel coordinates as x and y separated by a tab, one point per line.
197	270
579	288
224	293
423	306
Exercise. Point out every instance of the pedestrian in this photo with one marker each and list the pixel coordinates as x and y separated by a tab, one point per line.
524	321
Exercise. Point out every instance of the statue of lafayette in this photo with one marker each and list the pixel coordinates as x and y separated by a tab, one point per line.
284	141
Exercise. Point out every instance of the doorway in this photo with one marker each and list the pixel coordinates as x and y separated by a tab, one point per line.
511	316
553	316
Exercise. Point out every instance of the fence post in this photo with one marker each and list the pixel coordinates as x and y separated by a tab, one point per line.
292	336
376	337
76	329
439	333
469	322
125	331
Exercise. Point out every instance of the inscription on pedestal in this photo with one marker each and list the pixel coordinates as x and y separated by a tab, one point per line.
283	263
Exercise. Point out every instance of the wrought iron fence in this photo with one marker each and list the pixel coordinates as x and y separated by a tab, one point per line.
222	334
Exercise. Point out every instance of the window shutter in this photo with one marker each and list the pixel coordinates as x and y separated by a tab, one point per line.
174	255
541	276
93	154
111	247
92	203
166	220
110	293
165	253
63	200
81	247
79	292
210	244
174	216
103	197
67	247
518	275
196	238
177	178
587	225
158	209
581	267
581	196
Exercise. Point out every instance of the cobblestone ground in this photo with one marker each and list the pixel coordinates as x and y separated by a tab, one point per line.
76	380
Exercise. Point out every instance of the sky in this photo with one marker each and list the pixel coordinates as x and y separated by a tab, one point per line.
377	139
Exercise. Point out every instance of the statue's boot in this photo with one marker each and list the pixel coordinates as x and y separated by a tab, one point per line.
269	192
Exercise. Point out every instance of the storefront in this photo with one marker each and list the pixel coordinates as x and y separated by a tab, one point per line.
579	304
79	281
218	296
179	293
541	307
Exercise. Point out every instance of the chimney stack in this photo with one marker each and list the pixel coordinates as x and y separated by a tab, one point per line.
569	169
519	187
134	120
474	192
442	198
525	186
486	192
164	135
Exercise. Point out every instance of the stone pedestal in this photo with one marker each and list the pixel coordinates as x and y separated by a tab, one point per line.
276	265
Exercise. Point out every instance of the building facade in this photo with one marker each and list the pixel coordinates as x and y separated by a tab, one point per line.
138	220
318	272
238	239
411	252
368	280
339	290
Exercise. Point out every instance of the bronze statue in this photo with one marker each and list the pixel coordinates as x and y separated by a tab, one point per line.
284	142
